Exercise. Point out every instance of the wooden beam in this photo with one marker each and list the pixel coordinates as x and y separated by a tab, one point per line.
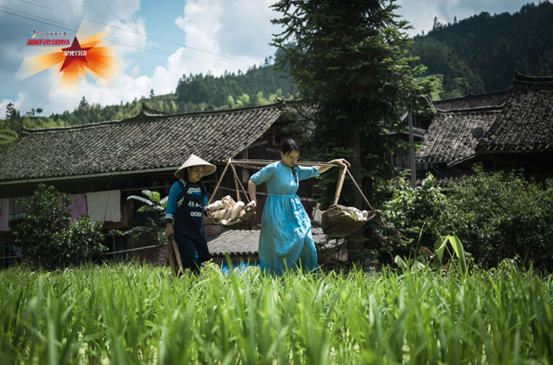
266	162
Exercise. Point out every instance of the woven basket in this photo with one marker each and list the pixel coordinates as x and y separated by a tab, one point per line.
337	224
244	222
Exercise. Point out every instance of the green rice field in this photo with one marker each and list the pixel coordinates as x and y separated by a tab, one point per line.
130	314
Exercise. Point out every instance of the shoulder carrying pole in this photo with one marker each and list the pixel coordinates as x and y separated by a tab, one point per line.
343	171
219	183
236	182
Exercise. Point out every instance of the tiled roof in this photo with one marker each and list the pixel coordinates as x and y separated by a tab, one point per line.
442	182
234	243
449	136
246	242
472	101
152	140
526	122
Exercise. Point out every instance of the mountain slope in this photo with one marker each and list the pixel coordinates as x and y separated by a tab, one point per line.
481	53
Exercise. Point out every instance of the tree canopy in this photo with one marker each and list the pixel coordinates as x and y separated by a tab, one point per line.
350	61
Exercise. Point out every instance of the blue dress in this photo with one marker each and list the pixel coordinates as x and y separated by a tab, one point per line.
285	238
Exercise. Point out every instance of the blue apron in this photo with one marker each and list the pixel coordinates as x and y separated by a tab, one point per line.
189	226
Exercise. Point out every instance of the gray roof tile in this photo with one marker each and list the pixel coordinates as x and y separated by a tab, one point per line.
246	242
472	101
152	140
526	121
449	136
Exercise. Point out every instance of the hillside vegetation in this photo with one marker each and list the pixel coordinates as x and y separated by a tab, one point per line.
480	54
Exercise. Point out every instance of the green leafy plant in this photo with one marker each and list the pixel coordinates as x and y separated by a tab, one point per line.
455	243
408	211
137	314
501	215
51	238
153	204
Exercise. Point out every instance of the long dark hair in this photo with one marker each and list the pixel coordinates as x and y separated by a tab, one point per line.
289	145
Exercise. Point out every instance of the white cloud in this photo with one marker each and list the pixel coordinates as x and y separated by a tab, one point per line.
421	13
420	17
243	33
200	24
121	10
131	36
4	103
239	29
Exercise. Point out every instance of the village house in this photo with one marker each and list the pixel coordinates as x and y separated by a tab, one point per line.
504	130
104	163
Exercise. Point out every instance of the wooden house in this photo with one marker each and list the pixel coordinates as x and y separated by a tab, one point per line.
503	130
141	153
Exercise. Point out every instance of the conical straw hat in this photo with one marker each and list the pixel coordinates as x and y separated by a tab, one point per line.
194	160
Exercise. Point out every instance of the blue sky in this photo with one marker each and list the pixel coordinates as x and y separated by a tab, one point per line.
184	37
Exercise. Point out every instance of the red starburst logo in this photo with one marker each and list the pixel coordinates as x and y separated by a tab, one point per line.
74	53
86	57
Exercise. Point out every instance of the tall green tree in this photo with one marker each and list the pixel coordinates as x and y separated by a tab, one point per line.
349	59
350	62
84	105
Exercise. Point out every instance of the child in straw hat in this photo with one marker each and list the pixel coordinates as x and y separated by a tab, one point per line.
184	212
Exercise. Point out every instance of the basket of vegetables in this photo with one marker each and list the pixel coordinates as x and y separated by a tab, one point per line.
230	214
227	212
340	221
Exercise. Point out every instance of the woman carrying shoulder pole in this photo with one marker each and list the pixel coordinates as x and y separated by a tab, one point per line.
285	240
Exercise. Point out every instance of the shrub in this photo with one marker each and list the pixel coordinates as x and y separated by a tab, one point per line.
499	216
50	237
410	209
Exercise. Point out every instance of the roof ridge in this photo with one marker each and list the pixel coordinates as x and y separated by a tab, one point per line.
489	108
143	117
146	109
470	95
224	111
520	78
73	127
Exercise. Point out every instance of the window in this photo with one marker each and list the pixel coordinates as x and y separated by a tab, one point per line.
11	254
